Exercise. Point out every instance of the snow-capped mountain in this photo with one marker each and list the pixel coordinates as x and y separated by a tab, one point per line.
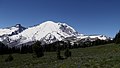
47	32
10	31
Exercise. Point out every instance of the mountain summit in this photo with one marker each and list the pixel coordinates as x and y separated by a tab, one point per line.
20	28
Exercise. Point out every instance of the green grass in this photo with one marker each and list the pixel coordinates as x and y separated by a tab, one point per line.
103	56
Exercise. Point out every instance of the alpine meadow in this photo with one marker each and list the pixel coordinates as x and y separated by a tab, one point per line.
59	34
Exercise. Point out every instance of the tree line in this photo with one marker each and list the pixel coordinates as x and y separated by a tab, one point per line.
53	47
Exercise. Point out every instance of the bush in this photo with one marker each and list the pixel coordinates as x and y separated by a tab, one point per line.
9	58
58	54
38	49
67	53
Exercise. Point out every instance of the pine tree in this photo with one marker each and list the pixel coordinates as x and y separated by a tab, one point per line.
24	49
3	48
117	38
38	49
58	51
67	53
58	54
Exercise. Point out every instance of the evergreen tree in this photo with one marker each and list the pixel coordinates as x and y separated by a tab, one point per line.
38	49
69	44
117	38
58	51
58	54
3	48
29	49
23	49
67	53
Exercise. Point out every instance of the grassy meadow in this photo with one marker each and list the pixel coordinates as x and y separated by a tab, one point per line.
102	56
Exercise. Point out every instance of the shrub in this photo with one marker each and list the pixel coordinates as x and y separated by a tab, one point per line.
9	58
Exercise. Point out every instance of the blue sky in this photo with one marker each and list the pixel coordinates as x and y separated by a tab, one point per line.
86	16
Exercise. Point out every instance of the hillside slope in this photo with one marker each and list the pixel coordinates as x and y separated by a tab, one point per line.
103	56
